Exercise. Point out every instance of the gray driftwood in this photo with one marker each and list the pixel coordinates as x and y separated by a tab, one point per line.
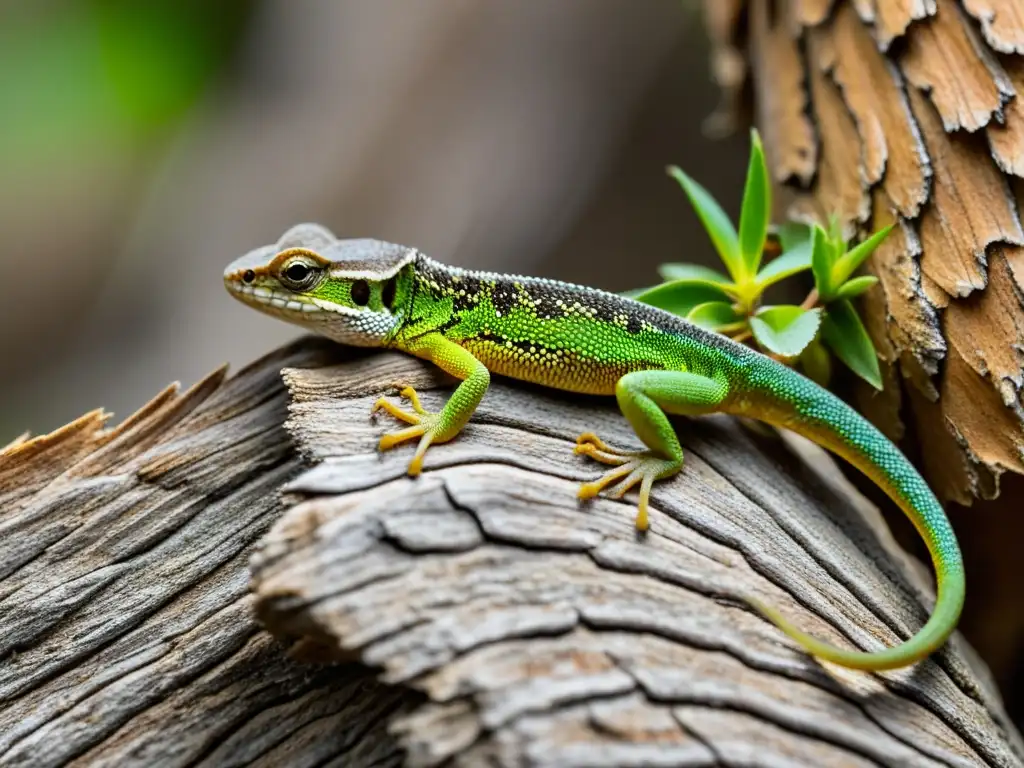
474	616
127	635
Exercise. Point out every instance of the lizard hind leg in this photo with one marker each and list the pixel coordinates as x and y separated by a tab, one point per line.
645	398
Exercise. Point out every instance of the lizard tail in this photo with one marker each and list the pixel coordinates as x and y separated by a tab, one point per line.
817	414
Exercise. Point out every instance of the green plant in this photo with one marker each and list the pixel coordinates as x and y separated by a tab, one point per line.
732	303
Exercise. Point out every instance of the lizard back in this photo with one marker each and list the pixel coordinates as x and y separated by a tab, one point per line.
554	333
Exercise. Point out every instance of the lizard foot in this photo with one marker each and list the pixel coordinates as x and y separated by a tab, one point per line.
426	426
631	467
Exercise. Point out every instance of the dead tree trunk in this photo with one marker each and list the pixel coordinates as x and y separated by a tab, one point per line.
475	615
912	111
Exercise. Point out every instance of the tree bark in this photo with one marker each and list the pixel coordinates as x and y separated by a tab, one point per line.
911	112
908	112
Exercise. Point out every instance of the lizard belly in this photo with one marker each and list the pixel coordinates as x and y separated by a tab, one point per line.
558	369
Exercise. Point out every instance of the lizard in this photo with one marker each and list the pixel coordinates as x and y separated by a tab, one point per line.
471	324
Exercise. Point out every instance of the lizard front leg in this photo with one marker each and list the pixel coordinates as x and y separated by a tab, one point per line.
442	426
645	397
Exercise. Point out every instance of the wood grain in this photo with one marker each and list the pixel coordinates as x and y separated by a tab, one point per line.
129	637
545	632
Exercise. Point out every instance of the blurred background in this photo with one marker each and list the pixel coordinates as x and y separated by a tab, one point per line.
145	145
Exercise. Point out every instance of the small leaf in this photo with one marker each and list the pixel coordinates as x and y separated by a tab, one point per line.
714	315
789	263
847	264
692	272
844	333
680	296
855	287
835	230
786	329
821	261
756	209
793	234
714	219
816	362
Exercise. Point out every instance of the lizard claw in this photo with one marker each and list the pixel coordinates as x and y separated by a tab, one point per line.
426	426
631	467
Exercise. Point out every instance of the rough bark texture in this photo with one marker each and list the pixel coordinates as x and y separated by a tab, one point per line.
475	615
543	632
910	110
128	631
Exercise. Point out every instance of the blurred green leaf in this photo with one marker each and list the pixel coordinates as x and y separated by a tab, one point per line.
680	296
821	261
793	234
715	221
792	261
855	287
845	335
714	315
785	329
835	230
847	264
816	362
692	272
89	80
755	211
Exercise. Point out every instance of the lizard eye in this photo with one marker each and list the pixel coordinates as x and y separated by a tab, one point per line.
297	272
299	275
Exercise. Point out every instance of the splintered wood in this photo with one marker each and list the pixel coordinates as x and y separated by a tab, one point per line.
911	110
128	630
540	631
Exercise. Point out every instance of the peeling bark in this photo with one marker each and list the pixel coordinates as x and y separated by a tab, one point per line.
915	105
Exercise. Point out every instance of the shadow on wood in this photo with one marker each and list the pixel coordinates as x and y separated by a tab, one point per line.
477	614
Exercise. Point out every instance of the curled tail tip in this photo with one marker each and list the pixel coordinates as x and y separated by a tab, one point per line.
878	661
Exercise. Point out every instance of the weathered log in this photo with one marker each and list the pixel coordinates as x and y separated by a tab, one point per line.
128	637
540	631
475	615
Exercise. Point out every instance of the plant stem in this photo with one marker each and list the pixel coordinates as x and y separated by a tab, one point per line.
811	301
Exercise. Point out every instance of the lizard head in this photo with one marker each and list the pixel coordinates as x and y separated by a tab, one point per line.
352	291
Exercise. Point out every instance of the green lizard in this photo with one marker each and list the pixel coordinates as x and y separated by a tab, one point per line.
374	294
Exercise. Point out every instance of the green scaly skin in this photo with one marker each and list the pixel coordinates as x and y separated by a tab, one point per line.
472	324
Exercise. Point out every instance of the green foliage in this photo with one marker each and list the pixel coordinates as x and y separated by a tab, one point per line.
756	209
716	222
718	316
88	78
680	296
732	303
785	329
845	335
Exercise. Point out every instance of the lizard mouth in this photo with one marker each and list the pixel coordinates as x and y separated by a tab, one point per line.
263	297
